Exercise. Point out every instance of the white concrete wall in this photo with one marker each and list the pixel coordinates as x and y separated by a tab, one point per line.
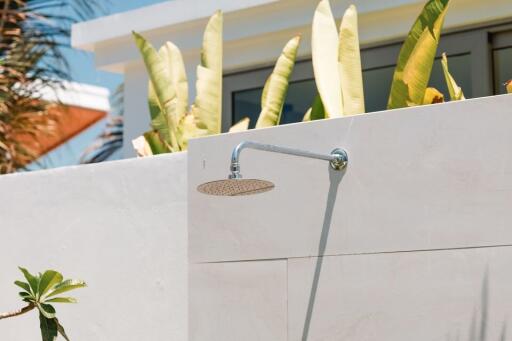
413	241
121	226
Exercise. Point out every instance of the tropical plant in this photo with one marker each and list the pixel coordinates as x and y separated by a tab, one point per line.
336	64
416	59
454	90
40	292
32	36
173	122
110	140
276	86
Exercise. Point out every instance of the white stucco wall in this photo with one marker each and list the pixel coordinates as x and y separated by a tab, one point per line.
413	241
121	226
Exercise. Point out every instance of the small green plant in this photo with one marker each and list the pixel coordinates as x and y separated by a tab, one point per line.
40	292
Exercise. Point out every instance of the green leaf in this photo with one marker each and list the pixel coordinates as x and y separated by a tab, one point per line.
416	57
61	330
189	130
159	121
46	309
351	73
316	112
276	87
207	108
454	90
159	75
49	279
178	77
324	44
48	328
32	280
65	286
25	286
61	300
153	140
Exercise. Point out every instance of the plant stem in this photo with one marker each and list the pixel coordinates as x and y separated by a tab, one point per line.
17	312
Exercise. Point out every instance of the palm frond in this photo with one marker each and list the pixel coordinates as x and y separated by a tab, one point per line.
111	138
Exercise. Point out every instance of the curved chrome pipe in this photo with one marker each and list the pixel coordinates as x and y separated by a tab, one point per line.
338	158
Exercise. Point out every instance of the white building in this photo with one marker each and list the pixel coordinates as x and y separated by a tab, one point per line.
478	37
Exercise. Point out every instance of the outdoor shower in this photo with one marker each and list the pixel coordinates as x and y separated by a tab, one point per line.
235	185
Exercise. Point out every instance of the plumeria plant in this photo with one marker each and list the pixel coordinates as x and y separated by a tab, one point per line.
39	292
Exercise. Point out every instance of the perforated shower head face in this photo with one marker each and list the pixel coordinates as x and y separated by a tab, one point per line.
235	187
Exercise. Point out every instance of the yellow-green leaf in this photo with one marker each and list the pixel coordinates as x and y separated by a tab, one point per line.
208	103
205	106
189	130
351	74
61	300
241	125
324	44
276	87
433	96
316	112
159	75
454	90
178	77
65	286
49	279
417	55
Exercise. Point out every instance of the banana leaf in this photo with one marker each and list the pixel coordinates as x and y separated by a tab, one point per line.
433	96
276	87
178	77
207	108
351	74
241	125
324	44
316	112
416	57
454	90
162	95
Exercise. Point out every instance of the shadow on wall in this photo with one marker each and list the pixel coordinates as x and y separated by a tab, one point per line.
335	178
480	318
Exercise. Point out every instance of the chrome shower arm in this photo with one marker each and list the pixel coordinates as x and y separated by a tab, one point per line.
338	158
